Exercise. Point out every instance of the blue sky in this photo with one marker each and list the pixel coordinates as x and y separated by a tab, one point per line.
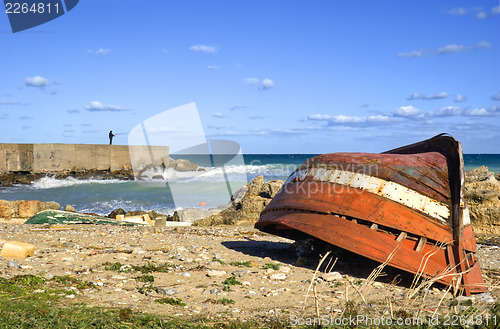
274	76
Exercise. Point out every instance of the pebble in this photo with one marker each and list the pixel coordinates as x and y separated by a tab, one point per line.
12	264
119	277
213	263
167	291
125	268
214	291
186	274
70	296
278	276
215	273
332	276
485	298
240	272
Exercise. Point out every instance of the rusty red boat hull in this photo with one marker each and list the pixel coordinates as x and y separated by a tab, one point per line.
405	207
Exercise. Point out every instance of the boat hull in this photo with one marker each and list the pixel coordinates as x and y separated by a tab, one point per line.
401	208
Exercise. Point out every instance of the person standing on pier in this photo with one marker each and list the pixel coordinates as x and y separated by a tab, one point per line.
111	137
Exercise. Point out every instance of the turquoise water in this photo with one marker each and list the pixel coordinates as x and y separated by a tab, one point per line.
103	196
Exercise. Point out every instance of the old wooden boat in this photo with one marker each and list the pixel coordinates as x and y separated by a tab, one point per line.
404	207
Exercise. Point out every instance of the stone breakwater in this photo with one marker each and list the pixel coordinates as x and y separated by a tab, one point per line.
9	178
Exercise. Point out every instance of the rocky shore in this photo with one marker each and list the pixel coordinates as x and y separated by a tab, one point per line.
217	271
226	273
10	178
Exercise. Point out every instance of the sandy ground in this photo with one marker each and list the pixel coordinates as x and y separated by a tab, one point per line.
199	260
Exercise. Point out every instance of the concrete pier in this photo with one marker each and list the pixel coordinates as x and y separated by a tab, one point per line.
59	157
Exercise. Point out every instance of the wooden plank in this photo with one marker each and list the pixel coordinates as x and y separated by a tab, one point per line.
337	199
421	243
401	236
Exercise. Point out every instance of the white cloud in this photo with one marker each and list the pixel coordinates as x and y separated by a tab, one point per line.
429	97
348	120
267	84
451	49
218	115
460	98
461	48
319	117
100	51
203	49
493	111
2	102
96	106
481	15
415	53
37	81
478	12
447	111
251	81
237	107
407	112
482	44
263	85
448	49
457	11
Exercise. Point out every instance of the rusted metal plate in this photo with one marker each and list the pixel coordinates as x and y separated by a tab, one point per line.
410	198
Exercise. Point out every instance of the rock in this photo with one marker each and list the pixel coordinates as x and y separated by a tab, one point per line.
215	273
192	214
8	209
50	205
28	209
477	174
125	268
247	204
186	274
184	165
277	276
485	298
17	249
69	208
240	273
166	291
482	193
332	276
12	264
115	212
119	277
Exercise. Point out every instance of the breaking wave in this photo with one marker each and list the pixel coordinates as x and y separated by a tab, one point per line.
232	172
50	182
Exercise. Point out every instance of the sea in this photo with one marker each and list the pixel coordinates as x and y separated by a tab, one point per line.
168	191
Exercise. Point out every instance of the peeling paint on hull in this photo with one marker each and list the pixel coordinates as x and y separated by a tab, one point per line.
405	206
